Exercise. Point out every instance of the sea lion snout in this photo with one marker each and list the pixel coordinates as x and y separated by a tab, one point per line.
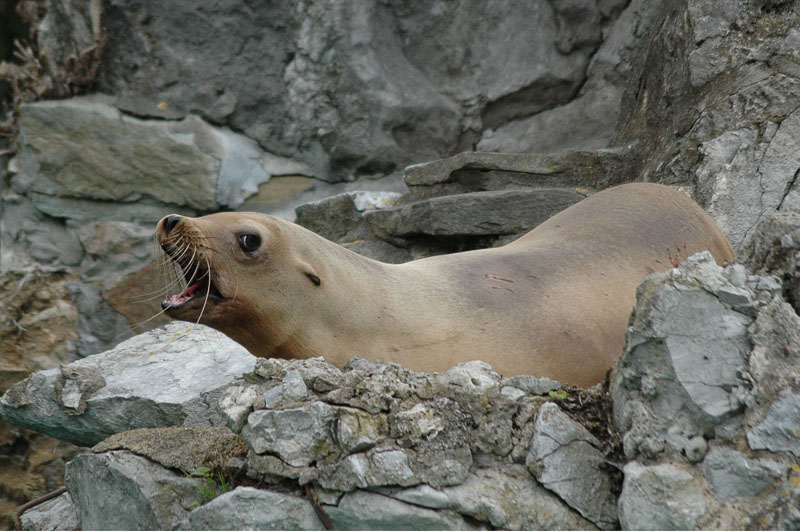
169	222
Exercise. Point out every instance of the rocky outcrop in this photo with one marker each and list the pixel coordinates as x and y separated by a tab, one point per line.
711	105
706	386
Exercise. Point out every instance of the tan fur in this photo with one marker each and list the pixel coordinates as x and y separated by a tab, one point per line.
553	303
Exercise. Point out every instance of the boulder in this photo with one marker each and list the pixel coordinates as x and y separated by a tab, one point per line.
166	377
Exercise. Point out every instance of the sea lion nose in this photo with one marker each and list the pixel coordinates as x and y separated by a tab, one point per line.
170	222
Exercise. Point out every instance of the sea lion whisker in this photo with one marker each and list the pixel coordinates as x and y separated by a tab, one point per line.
208	292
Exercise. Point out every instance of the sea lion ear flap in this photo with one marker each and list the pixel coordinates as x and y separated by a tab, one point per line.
309	272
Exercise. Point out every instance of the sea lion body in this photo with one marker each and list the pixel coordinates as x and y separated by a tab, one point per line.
553	303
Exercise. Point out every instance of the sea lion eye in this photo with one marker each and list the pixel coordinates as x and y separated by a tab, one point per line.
249	242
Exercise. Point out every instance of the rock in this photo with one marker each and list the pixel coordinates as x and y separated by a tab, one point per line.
297	435
686	351
743	143
567	460
182	448
166	377
253	509
337	217
773	250
156	499
660	497
507	498
55	514
329	97
475	214
183	165
362	510
780	428
292	389
477	172
534	385
732	474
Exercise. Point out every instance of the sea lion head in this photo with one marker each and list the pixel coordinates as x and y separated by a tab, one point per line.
244	276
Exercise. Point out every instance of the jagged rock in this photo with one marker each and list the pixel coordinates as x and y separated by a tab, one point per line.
566	459
780	428
155	498
329	97
362	510
660	497
55	514
298	436
338	217
739	150
681	373
583	123
774	249
183	448
732	474
166	377
253	509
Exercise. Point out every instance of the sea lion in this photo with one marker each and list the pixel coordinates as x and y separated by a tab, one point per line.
554	303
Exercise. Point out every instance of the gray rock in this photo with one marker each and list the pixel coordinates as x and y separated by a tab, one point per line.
292	389
55	514
253	509
780	428
477	171
362	510
566	459
166	377
478	213
297	435
531	384
732	474
155	498
659	497
186	164
772	249
236	404
686	351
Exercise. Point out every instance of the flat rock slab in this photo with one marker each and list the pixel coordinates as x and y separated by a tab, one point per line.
476	171
502	212
162	378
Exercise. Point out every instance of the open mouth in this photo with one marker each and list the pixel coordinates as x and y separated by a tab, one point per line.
200	289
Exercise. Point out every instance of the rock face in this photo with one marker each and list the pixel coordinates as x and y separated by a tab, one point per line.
710	105
705	383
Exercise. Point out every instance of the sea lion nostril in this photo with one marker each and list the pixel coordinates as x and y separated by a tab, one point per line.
170	222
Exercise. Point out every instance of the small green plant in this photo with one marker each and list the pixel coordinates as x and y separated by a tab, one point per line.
558	394
211	487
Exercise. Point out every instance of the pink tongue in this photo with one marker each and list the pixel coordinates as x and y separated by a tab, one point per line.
184	296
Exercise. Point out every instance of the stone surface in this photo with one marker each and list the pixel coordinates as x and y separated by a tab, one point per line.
738	58
732	474
253	509
155	498
183	448
362	510
55	514
354	88
567	460
660	497
476	214
297	435
686	353
163	378
780	428
774	249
